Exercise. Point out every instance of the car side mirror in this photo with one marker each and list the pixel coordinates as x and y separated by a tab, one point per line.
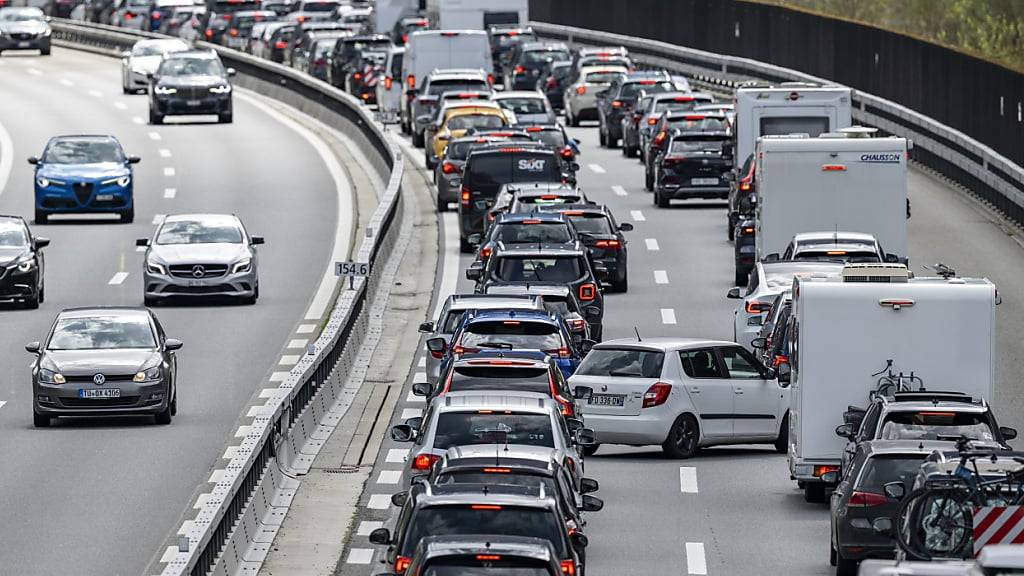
403	433
784	373
588	485
172	344
134	159
582	392
894	490
733	294
142	241
426	327
892	258
585	437
422	388
845	431
255	240
437	345
759	342
474	274
579	540
32	347
830	477
231	72
586	345
474	239
773	257
592	503
416	422
41	242
573	424
33	160
381	536
399	499
626	227
1007	433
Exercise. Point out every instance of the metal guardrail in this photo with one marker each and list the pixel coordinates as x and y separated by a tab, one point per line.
949	152
225	527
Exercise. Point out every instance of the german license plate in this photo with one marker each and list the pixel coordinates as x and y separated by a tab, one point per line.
24	44
102	197
100	393
193	102
196	283
704	181
607	399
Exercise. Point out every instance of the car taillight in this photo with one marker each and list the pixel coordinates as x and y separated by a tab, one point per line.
411	81
562	352
357	76
866	499
155	15
449	168
587	291
402	563
780	359
569	567
745	186
609	244
490	78
280	44
405	38
821	469
616	104
577	324
320	62
424	461
746	230
233	32
567	153
128	15
519	69
485	252
652	121
551	83
388	82
209	33
657	394
465	197
659	138
755	307
228	17
581	90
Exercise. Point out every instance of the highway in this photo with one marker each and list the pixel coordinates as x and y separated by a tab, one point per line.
730	510
101	497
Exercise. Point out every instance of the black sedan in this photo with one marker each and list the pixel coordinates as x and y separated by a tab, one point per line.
21	262
599	232
190	83
104	361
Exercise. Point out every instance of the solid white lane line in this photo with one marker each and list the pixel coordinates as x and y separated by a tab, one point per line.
619	190
695	562
379	502
305	328
170	192
289	360
118	278
411	413
120	105
154	135
35	72
652	244
158	218
2	402
367	526
360	556
395	455
688	479
668	316
298	343
6	157
95	93
389	477
66	82
597	169
422	362
637	215
169	171
450	261
138	120
660	277
164	153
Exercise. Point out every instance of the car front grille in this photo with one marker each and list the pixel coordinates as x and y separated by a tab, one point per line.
109	378
192	270
99	402
214	289
83	191
23	36
193	92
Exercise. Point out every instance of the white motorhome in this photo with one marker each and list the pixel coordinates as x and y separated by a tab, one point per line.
477	14
430	50
875	321
789	108
839	181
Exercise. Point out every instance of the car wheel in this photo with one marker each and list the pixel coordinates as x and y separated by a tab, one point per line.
442	204
32	302
174	405
591	450
602	140
621	285
405	128
629	151
731	225
155	118
740	279
648	180
41	217
428	160
832	555
782	442
42	293
611	142
225	118
149	302
846	567
682	439
814	492
660	200
40	420
44	51
417	139
164	417
128	217
127	90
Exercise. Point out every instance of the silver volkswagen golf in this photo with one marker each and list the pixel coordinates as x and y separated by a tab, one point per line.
200	255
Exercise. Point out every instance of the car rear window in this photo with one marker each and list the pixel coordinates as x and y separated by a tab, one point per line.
836	256
232	6
496	477
467	519
884	468
553	138
509	334
592	224
539	269
501	567
438	87
525	379
541	56
935	425
487	427
319	6
601	77
622	362
546	233
631	89
487	172
523	105
699	123
467	121
673	105
681	146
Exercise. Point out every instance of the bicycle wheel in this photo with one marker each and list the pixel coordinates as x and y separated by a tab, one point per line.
935	523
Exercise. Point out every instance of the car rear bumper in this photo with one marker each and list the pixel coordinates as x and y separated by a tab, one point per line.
135	398
648	427
684	192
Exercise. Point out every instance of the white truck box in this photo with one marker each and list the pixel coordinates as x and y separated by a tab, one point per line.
789	108
941	330
387	12
430	50
826	184
477	14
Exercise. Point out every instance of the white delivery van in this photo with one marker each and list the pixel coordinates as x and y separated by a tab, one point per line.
789	108
840	181
849	332
429	50
477	14
389	89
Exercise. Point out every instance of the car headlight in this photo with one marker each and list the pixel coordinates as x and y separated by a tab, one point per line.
165	90
220	89
147	375
27	263
155	268
121	181
242	266
46	182
50	377
47	32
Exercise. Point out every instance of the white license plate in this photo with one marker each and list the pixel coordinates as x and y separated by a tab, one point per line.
196	283
24	44
193	102
607	399
100	393
102	197
704	181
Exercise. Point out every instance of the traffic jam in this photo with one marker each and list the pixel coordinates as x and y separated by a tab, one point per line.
521	384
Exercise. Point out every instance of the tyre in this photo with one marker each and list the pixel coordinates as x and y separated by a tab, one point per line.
127	90
442	204
225	118
833	556
149	302
405	127
629	151
602	140
648	180
41	217
40	420
165	416
32	302
621	285
573	121
814	492
42	293
846	567
465	247
174	405
431	164
44	51
128	217
683	438
660	200
155	118
417	139
731	227
610	141
591	450
782	442
741	278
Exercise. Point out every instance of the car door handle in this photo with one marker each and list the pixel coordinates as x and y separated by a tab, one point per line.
694	389
738	390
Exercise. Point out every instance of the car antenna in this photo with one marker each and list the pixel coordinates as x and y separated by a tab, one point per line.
637	330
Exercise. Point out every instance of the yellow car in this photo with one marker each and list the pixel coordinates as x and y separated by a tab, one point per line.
455	123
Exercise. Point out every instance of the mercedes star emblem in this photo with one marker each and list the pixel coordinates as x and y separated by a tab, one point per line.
198	271
99	379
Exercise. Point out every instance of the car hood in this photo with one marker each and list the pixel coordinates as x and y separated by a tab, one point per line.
88	171
30	26
199	253
8	255
145	64
86	362
186	81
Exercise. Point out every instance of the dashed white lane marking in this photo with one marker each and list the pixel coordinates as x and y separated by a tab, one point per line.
695	562
215	476
668	316
305	329
410	413
422	362
298	343
411	398
158	218
278	376
660	277
289	360
688	479
186	526
389	477
395	455
360	556
419	377
619	190
66	82
367	526
201	500
242	431
652	244
118	278
140	248
138	120
170	192
596	168
379	502
35	72
2	402
637	215
95	93
164	153
154	136
230	452
169	171
169	554
120	105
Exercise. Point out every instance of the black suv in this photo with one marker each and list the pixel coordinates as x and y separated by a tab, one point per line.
188	83
528	59
346	50
620	98
488	169
599	232
21	262
696	162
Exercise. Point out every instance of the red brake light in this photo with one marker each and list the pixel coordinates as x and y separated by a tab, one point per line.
534	128
652	121
587	292
485	252
694	117
388	82
755	307
226	17
616	104
449	168
581	90
568	568
657	394
411	81
648	82
233	32
821	469
610	244
659	138
155	15
866	499
748	229
465	197
683	99
280	44
490	78
209	34
449	34
484	507
833	168
519	69
567	153
497	470
488	557
511	149
424	461
401	563
745	186
780	359
357	76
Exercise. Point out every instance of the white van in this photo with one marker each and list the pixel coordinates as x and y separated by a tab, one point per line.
789	108
840	181
389	90
874	321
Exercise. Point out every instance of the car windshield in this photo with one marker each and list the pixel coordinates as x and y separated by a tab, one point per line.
817	255
468	519
12	235
553	138
190	67
682	146
601	77
523	105
622	362
542	56
592	224
488	427
438	87
537	269
512	334
199	232
83	151
467	121
533	233
459	150
631	89
935	425
23	15
525	379
157	49
102	333
884	468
